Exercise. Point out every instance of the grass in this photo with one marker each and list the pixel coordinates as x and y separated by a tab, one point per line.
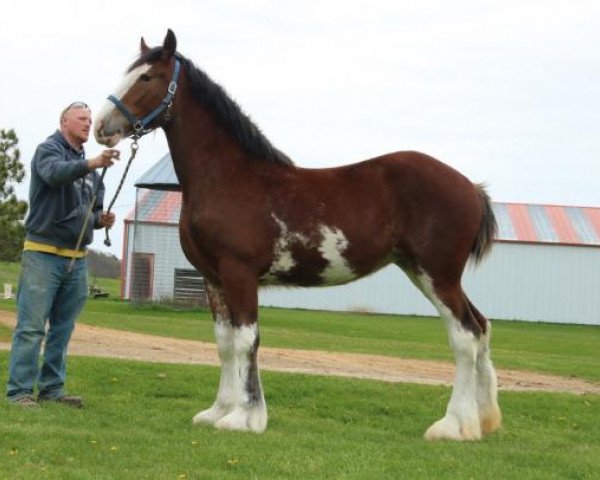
568	350
136	424
9	273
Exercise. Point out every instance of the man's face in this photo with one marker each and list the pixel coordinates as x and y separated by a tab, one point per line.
77	123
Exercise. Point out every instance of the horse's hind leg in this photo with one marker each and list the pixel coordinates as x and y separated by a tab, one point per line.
490	417
473	408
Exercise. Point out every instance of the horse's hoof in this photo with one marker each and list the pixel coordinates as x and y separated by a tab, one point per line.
451	428
209	416
491	420
244	419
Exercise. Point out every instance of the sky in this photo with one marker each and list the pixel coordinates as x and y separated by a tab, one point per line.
506	91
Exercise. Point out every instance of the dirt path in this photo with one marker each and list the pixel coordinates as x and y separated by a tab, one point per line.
104	342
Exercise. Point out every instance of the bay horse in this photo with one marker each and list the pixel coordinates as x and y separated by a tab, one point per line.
250	218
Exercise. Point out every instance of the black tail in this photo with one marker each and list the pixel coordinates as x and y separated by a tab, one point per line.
488	228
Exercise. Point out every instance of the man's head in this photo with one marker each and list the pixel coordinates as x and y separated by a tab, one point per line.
75	123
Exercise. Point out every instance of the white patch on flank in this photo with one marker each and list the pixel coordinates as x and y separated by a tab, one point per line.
333	245
283	261
109	116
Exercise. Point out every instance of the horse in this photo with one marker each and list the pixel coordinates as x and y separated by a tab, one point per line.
252	218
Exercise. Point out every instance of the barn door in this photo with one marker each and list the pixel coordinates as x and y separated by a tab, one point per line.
142	274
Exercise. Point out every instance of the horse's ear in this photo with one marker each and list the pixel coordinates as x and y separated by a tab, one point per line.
169	45
143	47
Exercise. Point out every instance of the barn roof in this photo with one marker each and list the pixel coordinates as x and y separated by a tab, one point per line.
161	176
517	222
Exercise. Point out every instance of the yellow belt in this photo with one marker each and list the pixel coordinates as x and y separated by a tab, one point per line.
44	247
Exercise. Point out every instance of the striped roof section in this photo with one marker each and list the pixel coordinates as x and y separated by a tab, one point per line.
161	176
517	222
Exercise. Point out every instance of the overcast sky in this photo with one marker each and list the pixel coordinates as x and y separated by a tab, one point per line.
506	91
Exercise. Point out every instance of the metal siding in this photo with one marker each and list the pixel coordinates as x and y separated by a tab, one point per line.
386	291
163	240
550	283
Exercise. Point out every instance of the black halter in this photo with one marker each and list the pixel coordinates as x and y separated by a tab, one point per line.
140	125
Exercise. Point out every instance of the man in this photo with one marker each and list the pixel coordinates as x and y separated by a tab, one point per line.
54	286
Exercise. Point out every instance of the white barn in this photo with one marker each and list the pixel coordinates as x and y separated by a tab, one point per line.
545	264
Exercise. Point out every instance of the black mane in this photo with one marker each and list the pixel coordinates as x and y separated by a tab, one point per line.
226	111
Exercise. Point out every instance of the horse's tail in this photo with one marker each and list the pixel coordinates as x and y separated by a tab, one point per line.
487	229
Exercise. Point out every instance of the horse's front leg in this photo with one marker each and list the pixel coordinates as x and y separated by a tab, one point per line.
227	396
240	404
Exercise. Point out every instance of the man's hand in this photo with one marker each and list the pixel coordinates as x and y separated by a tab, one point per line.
105	159
107	219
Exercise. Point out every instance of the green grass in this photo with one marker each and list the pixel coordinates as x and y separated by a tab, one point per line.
110	285
136	424
9	273
568	350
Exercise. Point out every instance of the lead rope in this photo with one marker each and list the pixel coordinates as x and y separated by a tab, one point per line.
134	149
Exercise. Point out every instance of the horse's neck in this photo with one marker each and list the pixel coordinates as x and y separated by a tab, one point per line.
204	156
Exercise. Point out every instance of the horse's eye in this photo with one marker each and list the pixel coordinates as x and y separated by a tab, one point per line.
144	77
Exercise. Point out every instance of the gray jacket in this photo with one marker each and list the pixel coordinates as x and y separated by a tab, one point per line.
60	193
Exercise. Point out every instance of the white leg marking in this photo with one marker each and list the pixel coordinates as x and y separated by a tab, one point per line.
250	412
229	383
461	421
487	387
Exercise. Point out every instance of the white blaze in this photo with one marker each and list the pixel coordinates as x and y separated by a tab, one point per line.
109	116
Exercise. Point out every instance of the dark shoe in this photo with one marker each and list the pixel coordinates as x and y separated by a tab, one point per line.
69	400
26	401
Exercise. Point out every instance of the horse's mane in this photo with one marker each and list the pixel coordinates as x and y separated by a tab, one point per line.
225	110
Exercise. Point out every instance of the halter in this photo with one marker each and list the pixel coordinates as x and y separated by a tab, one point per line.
140	125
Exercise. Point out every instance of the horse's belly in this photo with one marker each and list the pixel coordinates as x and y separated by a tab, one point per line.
299	260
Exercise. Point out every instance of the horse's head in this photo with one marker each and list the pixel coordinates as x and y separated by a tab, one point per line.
143	99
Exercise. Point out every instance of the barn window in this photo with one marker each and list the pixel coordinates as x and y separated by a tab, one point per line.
190	288
142	272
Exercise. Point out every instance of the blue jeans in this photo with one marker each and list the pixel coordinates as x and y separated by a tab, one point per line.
47	291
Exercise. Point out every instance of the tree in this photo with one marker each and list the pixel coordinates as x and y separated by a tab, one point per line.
12	211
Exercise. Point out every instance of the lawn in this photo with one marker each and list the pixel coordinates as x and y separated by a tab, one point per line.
136	424
568	350
9	273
